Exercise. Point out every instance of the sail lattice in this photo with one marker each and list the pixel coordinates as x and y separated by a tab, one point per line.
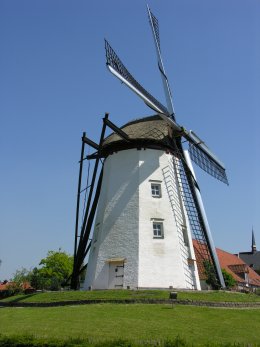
203	254
207	164
155	25
114	61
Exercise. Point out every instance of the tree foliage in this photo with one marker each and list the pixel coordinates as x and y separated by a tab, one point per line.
211	278
257	271
21	276
53	272
56	269
229	279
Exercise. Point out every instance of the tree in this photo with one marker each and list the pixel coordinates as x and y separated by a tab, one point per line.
257	270
56	269
52	274
36	279
229	279
21	276
211	278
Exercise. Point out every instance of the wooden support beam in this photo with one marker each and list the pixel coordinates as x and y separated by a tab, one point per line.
78	198
89	214
90	142
117	130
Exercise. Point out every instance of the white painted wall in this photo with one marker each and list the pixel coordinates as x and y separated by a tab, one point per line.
117	216
160	263
124	226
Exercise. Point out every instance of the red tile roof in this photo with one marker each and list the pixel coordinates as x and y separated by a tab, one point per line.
230	262
235	266
7	285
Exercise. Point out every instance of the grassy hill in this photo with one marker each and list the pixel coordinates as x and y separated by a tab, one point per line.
213	296
135	325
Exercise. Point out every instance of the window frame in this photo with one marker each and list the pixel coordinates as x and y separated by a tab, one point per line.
153	190
155	229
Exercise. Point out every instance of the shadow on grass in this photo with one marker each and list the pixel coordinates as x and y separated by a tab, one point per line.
168	307
21	298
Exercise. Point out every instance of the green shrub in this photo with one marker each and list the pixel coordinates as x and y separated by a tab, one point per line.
10	291
230	282
211	278
5	293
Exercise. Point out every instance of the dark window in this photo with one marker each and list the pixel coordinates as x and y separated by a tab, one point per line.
156	190
157	230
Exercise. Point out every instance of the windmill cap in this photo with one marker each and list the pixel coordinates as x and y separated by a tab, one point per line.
147	132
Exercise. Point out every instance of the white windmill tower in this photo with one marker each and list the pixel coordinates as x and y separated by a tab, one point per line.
149	207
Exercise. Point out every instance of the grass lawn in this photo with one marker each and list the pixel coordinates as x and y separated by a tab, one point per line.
133	294
199	325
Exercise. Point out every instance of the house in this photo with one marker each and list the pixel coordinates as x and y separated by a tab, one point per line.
6	286
245	277
252	258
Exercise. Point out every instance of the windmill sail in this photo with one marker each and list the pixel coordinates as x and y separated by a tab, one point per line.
206	163
155	30
200	154
199	224
117	68
203	157
198	151
115	261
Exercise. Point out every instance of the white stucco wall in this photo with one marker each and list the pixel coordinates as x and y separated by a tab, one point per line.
124	225
160	263
117	216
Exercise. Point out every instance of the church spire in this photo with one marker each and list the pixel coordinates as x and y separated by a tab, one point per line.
253	242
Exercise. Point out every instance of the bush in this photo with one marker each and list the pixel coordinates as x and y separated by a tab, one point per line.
230	282
211	278
5	293
12	289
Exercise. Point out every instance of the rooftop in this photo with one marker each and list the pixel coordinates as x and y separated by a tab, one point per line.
147	132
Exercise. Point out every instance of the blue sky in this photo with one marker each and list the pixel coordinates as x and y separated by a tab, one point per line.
54	85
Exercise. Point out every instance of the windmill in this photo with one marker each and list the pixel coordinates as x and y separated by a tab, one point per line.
145	207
